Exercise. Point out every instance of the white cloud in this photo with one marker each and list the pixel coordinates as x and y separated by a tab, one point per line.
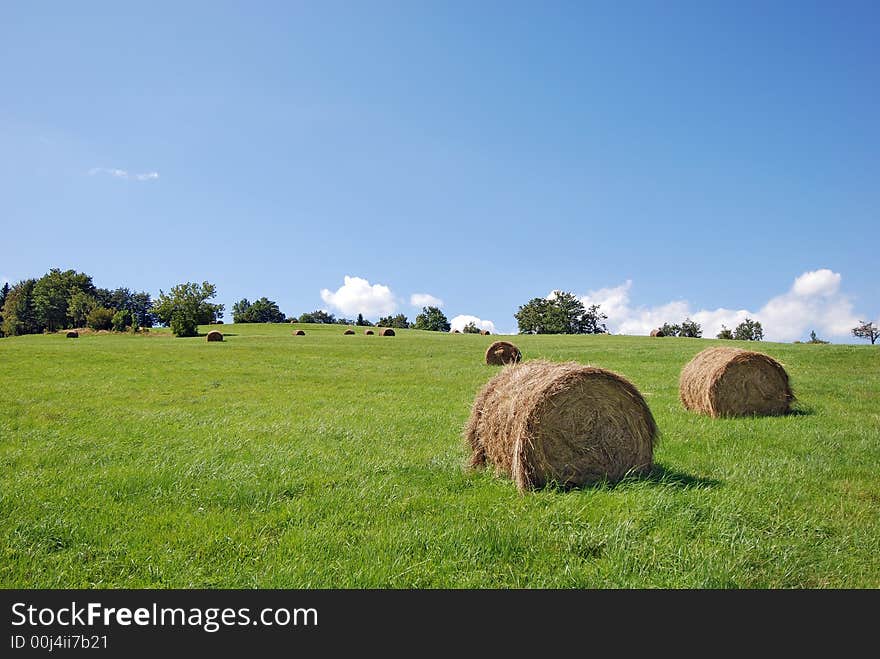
814	302
123	174
356	296
425	300
817	282
459	322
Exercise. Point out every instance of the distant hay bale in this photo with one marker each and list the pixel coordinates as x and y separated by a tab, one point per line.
368	332
456	332
657	332
72	334
485	332
726	381
299	332
502	352
386	331
215	335
542	422
348	331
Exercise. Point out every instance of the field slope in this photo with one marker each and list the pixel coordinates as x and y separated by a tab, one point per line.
337	461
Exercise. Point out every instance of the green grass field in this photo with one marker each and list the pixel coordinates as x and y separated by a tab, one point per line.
329	461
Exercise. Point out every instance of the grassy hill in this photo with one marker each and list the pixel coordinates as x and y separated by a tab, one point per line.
337	461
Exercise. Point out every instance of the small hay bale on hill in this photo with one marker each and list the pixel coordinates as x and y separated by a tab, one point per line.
368	332
657	332
214	335
485	332
502	352
348	331
386	331
455	332
724	381
299	332
72	334
542	422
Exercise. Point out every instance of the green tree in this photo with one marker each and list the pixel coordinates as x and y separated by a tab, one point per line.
319	317
100	318
532	316
690	329
3	293
360	322
470	328
561	314
866	331
81	303
241	311
592	321
431	319
749	330
815	339
186	307
121	320
263	310
141	309
669	329
398	322
52	294
19	313
117	299
725	333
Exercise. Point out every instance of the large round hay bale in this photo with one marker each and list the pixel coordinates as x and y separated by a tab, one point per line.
542	422
726	381
214	335
502	352
72	334
368	332
386	331
657	332
348	331
485	332
299	332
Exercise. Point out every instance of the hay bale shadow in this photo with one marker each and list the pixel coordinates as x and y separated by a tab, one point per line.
801	411
658	475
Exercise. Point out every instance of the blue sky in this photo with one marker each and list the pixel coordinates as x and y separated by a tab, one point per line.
702	158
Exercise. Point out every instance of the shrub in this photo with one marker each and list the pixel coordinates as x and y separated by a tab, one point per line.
121	319
100	318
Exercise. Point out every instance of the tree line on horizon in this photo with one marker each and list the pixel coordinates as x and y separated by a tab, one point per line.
69	299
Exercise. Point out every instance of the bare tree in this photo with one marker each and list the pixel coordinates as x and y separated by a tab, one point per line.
867	331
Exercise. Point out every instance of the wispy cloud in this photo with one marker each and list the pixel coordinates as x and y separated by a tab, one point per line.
124	174
425	300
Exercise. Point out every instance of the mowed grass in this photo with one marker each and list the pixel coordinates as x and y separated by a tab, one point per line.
327	461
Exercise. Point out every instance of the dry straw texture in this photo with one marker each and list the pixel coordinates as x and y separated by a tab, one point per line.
368	332
348	331
657	332
299	333
502	352
726	381
566	423
214	335
72	334
386	331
